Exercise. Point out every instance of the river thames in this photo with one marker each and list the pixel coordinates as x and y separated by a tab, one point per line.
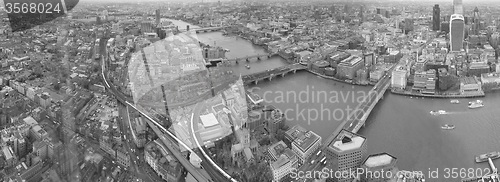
399	125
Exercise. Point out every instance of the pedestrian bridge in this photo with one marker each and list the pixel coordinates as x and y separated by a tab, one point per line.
271	73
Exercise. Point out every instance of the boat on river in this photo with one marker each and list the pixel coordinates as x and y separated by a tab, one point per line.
484	157
455	101
438	112
448	127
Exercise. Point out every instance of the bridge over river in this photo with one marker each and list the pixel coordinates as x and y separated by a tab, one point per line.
271	73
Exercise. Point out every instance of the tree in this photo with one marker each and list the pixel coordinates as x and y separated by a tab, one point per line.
448	81
57	86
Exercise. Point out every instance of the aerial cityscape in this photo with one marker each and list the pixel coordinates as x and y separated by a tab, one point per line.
249	91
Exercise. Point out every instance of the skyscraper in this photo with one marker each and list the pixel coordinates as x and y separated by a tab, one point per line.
458	8
476	22
457	26
436	18
361	16
158	16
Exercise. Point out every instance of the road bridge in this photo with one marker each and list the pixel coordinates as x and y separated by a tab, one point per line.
271	73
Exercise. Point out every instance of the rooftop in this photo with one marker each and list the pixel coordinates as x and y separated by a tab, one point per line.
352	60
346	141
282	160
468	80
277	148
30	121
307	140
209	120
377	160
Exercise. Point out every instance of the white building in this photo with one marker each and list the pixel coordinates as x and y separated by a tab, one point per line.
305	145
399	77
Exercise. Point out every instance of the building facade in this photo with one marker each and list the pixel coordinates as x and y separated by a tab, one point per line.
305	145
436	18
457	26
381	164
347	151
348	67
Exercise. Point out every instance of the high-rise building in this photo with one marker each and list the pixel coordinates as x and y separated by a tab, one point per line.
347	150
458	8
361	15
436	18
476	22
457	26
158	17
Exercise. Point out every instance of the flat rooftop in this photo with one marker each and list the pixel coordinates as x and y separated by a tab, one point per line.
307	140
281	161
346	141
377	160
352	60
295	132
468	80
278	148
209	120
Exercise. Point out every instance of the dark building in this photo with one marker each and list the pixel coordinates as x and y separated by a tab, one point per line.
436	18
445	27
346	8
158	17
361	15
408	25
457	27
476	22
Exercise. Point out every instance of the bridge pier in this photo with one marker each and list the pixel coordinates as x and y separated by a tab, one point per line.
248	60
283	74
294	71
256	82
271	77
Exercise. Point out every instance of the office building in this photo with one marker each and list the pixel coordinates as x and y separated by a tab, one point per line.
436	18
458	7
275	120
408	26
470	85
399	77
378	163
281	168
157	17
139	132
283	160
347	150
347	68
457	26
476	22
305	144
147	27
